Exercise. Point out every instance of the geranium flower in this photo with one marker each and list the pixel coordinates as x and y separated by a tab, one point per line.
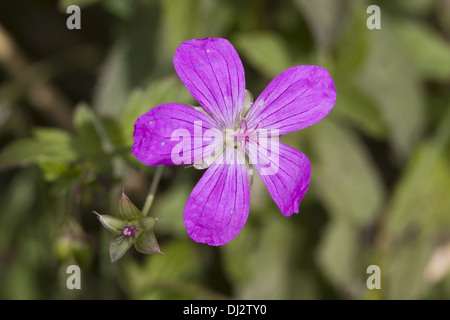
230	135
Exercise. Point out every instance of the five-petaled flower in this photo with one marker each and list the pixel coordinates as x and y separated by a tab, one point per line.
212	71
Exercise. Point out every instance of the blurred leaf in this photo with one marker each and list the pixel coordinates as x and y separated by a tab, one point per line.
360	109
418	216
403	272
171	276
17	202
259	260
131	62
200	19
86	135
20	281
174	12
170	205
348	182
392	83
352	46
46	145
325	19
51	149
87	141
70	244
421	7
338	255
265	50
428	53
113	85
120	8
424	177
442	11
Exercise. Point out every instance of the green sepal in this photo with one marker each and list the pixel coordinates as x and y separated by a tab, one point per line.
119	247
147	223
147	243
126	209
112	224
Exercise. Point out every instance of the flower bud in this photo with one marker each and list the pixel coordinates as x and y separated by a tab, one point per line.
129	227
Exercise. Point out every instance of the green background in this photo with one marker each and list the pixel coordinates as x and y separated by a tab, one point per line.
380	181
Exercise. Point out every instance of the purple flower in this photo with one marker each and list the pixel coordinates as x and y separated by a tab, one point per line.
230	135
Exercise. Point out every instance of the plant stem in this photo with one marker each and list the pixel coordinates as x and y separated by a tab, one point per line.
151	193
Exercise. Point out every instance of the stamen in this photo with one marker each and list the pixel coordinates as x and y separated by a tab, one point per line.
129	231
245	122
244	135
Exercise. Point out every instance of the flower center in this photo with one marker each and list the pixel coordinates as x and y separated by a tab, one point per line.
239	138
129	231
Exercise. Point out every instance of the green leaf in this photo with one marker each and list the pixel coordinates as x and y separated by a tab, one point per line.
119	247
418	216
391	82
46	145
173	12
324	18
338	256
170	204
349	184
94	131
51	149
120	8
87	140
132	61
428	52
19	153
357	107
91	139
172	276
421	7
265	50
113	85
126	209
352	46
147	243
259	259
206	19
18	201
443	16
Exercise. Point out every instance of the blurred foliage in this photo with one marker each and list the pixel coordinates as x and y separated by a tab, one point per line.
380	180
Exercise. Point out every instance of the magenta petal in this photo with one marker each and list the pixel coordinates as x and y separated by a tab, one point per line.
295	99
168	128
218	207
286	173
213	73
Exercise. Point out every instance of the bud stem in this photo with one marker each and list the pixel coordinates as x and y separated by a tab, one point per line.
152	191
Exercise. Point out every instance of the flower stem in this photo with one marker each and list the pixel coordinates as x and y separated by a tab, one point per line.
151	193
